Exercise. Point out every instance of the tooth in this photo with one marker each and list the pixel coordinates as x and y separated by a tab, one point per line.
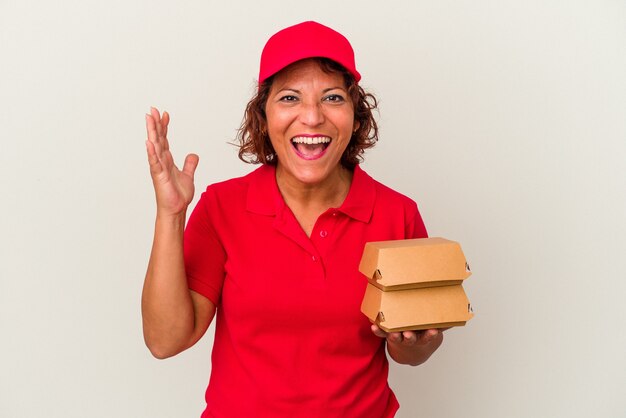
311	140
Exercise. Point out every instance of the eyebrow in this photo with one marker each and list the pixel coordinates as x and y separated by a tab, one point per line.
333	88
326	90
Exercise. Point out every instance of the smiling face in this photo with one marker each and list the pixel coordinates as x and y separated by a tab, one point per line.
310	120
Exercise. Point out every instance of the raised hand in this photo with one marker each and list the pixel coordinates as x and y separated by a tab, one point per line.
174	317
174	188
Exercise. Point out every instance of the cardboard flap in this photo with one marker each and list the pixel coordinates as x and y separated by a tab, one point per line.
372	302
414	263
414	309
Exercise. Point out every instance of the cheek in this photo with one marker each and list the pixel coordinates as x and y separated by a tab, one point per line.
351	126
277	123
278	140
275	144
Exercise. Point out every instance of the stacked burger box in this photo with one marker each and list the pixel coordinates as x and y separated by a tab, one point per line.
415	284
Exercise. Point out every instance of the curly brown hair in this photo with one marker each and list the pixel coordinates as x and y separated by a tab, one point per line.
254	142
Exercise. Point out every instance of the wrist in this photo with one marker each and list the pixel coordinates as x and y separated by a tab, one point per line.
175	220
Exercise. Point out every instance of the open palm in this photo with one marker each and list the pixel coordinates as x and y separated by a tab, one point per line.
174	188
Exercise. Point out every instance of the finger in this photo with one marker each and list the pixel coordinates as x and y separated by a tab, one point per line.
165	122
154	122
191	162
153	159
162	126
394	337
153	136
151	128
157	121
154	112
429	335
409	337
378	332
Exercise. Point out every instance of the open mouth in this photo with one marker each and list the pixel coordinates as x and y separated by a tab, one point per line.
310	147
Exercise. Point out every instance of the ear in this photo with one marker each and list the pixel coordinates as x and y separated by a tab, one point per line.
356	127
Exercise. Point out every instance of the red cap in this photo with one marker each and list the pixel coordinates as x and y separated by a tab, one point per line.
305	40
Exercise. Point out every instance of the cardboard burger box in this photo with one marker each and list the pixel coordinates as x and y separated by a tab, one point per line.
415	284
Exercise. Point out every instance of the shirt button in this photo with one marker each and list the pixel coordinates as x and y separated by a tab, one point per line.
313	258
323	234
335	213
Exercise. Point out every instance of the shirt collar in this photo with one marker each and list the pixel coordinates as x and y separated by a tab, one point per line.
359	203
264	198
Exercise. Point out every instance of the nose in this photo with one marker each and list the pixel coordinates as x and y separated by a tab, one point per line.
311	114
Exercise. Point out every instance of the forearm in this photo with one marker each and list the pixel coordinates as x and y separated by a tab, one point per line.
412	353
167	307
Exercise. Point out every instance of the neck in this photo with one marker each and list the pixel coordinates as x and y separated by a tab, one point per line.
329	193
308	201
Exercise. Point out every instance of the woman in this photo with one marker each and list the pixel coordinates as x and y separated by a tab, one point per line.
276	253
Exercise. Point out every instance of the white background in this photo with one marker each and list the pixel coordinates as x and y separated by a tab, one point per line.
504	120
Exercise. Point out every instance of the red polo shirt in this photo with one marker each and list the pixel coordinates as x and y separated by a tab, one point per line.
290	340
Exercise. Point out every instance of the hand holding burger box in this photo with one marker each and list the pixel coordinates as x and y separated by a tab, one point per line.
415	284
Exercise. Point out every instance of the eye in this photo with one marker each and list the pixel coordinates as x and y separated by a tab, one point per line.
335	98
288	98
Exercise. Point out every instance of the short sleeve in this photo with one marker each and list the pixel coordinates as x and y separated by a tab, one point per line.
203	251
415	227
